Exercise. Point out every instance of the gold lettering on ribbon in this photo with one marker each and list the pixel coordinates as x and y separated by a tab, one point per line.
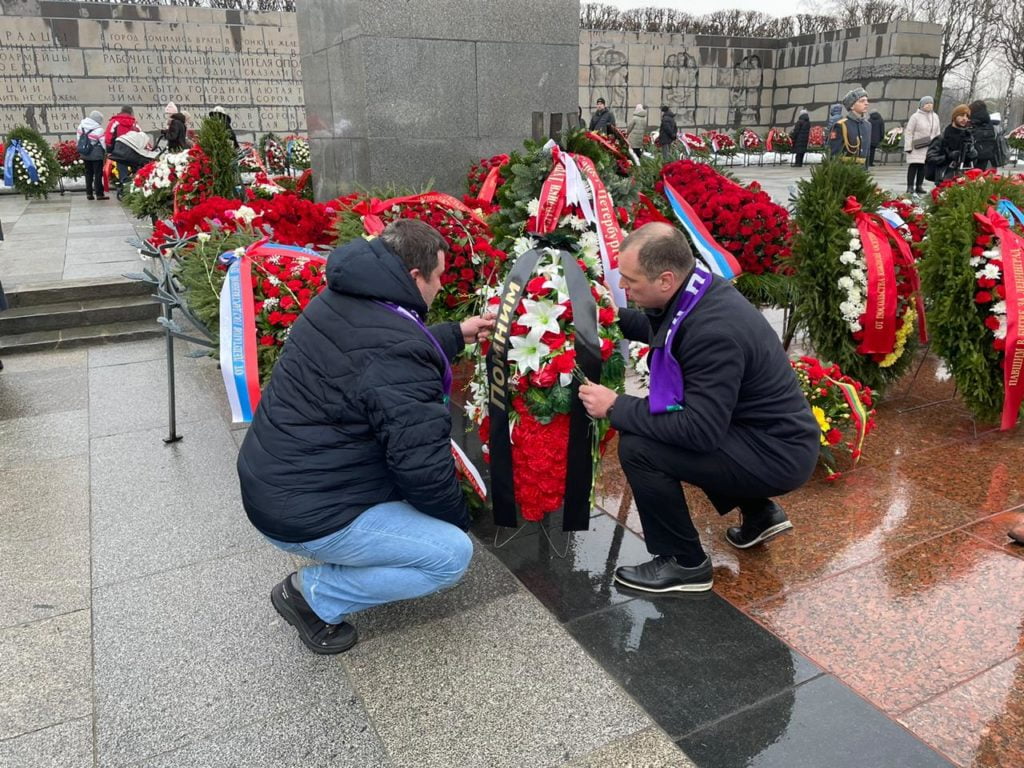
499	340
1016	259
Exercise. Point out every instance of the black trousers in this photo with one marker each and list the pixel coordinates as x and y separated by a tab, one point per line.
94	178
798	159
655	470
915	176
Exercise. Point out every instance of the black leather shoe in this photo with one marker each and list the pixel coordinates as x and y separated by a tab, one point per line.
319	636
759	526
664	574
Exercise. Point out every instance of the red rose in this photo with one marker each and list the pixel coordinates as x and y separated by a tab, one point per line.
545	377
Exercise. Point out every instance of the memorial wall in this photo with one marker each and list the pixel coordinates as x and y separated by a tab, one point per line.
60	60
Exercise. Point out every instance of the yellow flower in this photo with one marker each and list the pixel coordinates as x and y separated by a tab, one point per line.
909	318
823	423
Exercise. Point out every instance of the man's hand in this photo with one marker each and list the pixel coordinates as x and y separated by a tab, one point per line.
477	328
597	399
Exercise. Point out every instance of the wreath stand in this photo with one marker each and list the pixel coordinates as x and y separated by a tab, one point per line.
166	292
543	527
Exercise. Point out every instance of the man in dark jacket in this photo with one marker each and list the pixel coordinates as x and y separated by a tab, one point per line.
603	119
801	136
667	133
984	133
877	134
348	459
725	411
850	137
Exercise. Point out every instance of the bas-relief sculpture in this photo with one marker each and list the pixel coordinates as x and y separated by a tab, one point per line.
680	86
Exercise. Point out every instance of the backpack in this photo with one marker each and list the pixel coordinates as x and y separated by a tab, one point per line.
84	144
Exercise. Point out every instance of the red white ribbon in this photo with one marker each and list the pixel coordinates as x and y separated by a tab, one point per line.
371	208
880	325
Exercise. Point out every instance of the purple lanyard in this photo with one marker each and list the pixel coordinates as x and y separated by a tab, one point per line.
666	391
446	379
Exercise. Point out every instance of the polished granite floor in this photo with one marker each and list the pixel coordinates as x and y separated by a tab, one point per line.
886	630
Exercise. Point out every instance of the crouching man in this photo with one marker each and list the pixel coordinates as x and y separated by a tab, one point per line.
725	412
347	460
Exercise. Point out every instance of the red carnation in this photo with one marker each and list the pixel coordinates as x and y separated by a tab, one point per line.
983	297
992	323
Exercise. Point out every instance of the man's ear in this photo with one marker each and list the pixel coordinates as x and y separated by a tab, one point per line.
415	273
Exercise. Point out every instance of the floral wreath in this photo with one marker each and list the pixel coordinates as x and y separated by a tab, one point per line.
30	165
750	141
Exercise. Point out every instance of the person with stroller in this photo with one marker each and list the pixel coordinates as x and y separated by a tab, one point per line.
119	124
131	152
90	148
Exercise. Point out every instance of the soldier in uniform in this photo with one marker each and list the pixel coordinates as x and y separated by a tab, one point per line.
850	137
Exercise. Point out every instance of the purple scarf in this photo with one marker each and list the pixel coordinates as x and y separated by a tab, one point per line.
666	391
446	379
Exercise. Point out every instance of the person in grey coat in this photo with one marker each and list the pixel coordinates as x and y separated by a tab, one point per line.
922	127
850	137
637	128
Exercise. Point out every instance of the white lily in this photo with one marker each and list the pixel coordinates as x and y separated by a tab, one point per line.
541	316
527	352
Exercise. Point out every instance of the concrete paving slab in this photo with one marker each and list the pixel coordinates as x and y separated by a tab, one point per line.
43	361
44	673
66	745
15	279
157	506
106	269
650	748
111	412
47	391
334	733
139	351
499	685
188	654
44	540
43	438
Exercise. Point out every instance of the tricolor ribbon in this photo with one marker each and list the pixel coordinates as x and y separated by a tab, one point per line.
16	148
858	412
1011	253
238	359
1008	209
718	259
371	208
880	324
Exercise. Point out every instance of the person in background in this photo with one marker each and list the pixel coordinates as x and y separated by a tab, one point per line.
877	134
850	137
957	147
92	128
176	131
219	113
984	136
835	113
800	136
922	127
636	129
603	118
667	133
121	123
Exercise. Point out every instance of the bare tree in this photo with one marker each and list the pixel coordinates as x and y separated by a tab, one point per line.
1010	35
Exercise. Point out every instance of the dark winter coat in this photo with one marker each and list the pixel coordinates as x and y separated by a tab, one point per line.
226	119
801	133
741	395
835	114
602	120
850	137
667	131
176	133
877	128
984	135
355	413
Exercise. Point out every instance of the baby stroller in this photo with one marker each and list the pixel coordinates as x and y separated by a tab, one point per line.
131	151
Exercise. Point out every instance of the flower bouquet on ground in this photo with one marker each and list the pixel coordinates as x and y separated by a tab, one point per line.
472	263
816	139
272	152
694	144
297	152
721	143
750	142
263	187
856	290
743	220
893	140
71	164
30	165
842	406
249	160
173	181
973	291
1016	138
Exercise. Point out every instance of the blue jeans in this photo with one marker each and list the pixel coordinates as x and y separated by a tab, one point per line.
390	552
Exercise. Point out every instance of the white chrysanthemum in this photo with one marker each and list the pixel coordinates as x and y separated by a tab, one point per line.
854	232
523	244
848	257
991	253
846	283
999	308
245	214
855	245
589	241
991	271
976	261
533	207
1000	332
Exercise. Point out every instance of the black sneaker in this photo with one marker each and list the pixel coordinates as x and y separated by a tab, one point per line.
319	636
664	574
759	526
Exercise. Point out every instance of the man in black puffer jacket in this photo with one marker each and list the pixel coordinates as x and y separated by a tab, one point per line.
984	136
725	411
348	459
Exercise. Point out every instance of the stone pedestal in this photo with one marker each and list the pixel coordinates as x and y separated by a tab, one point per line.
413	91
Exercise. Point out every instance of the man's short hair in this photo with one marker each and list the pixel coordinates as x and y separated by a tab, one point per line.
416	243
662	248
127	111
600	101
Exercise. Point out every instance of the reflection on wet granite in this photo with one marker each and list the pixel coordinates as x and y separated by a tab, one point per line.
580	582
983	474
691	660
920	429
928	381
823	724
994	529
980	723
902	629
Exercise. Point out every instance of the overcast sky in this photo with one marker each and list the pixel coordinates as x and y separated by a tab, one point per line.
775	7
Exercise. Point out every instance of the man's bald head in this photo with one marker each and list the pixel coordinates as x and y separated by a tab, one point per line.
660	248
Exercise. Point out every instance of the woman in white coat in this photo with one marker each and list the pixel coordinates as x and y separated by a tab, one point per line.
922	127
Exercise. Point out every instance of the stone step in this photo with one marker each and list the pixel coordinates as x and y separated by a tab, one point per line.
74	290
77	313
88	335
